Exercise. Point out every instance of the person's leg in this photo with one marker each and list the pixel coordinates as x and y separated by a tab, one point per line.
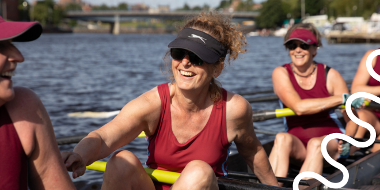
314	159
369	117
197	175
285	146
124	171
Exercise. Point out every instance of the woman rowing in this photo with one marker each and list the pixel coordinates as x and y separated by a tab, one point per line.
364	82
312	90
190	123
29	154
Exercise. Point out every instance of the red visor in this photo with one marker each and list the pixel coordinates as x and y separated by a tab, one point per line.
304	35
19	31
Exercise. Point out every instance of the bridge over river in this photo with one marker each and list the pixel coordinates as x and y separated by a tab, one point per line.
114	17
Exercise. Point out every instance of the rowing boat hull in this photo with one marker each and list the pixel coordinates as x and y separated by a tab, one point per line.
360	172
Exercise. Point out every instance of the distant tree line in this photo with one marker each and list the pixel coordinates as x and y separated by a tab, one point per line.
186	7
274	12
48	13
242	5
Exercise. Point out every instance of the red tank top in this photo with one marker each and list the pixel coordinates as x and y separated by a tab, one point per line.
374	82
376	68
13	161
210	145
318	124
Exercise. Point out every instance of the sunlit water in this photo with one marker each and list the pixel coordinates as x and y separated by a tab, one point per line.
103	72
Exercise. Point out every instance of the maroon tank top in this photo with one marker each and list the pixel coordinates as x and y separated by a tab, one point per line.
13	161
210	145
323	123
376	68
374	82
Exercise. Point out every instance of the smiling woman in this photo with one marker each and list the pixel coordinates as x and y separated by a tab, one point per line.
311	90
190	123
29	156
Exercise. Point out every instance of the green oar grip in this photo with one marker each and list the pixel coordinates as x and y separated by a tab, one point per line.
156	175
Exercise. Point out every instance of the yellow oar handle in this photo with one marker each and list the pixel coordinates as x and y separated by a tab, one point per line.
156	175
284	112
288	112
142	134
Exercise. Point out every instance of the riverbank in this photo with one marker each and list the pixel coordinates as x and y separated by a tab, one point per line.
352	37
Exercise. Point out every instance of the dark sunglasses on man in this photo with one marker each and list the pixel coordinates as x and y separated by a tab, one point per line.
294	45
178	54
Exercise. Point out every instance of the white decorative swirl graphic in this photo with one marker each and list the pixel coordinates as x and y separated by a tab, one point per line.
345	137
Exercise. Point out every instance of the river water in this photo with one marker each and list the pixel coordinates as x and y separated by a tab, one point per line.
103	72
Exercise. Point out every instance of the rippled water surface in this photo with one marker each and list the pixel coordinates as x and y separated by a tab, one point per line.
103	72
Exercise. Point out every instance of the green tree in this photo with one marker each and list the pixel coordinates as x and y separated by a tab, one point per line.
197	8
185	7
73	7
245	5
23	9
101	7
206	7
122	6
271	14
364	8
48	13
224	4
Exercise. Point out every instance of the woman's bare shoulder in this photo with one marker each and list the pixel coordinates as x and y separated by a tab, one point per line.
25	101
237	107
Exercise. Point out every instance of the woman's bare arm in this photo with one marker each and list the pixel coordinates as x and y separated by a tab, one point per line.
359	84
141	114
45	166
240	130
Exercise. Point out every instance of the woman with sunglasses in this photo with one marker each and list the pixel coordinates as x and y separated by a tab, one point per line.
312	90
190	122
29	154
364	82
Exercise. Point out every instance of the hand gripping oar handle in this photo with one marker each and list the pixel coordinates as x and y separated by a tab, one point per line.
156	175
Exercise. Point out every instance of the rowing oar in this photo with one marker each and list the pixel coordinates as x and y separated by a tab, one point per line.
170	177
271	91
274	133
257	115
77	138
156	175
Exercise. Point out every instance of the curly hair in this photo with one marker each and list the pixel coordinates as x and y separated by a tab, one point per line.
307	26
221	28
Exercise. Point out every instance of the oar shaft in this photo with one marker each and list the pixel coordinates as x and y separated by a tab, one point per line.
157	175
270	114
275	133
77	138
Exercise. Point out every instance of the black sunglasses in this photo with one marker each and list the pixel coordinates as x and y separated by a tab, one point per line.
293	46
178	54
